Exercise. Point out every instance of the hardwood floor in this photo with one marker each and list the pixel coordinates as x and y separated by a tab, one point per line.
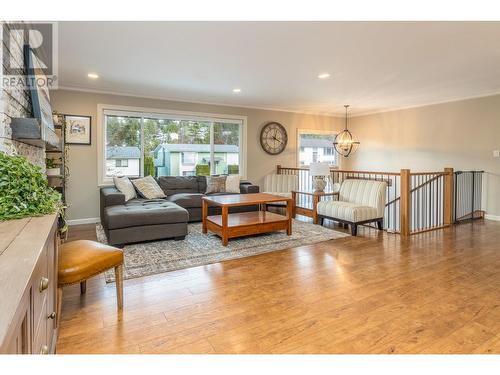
438	292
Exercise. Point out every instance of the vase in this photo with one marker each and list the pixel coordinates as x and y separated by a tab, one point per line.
319	183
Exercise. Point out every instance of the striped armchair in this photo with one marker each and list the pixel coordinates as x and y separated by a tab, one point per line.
281	184
360	202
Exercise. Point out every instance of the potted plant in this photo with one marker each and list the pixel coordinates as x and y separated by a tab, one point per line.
52	169
24	191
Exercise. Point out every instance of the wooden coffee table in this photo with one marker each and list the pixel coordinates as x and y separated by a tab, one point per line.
245	223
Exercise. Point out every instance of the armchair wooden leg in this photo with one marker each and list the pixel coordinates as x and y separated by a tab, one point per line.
320	221
119	285
354	229
83	287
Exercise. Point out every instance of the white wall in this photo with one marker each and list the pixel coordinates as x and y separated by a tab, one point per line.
461	135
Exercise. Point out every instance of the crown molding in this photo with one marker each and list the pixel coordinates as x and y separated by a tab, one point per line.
428	104
115	93
263	108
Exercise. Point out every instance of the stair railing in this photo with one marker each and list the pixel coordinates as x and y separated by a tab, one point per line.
416	202
467	196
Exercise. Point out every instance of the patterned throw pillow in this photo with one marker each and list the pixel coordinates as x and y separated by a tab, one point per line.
125	186
148	188
216	184
233	184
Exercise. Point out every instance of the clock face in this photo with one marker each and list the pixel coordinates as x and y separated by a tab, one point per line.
273	138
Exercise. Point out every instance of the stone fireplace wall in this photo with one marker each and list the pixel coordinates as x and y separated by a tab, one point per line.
16	103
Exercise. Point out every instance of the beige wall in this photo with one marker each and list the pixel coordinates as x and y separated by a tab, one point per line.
460	134
82	194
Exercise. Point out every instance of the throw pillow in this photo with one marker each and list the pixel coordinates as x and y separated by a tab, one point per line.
149	188
216	184
233	184
125	186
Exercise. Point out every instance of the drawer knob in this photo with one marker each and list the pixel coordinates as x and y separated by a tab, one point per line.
52	315
44	284
44	349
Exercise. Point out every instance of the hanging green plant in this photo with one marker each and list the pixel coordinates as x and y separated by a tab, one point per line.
24	190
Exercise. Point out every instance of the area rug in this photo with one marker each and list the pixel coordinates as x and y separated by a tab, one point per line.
199	249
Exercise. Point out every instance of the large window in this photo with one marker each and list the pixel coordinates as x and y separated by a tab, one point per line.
316	146
169	144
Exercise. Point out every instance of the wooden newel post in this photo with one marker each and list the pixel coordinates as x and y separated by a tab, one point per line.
278	169
405	203
448	196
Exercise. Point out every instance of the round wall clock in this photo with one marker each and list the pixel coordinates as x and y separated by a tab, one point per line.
273	138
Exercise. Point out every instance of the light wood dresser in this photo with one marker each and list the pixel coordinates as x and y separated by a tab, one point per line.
28	285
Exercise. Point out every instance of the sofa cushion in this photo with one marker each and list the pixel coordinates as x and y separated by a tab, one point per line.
216	184
144	212
233	184
124	185
179	184
148	187
347	211
186	200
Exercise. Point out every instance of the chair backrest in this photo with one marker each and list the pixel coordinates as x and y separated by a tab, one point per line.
369	193
281	183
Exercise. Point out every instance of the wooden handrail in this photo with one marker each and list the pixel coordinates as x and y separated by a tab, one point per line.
369	172
405	203
333	169
428	173
388	181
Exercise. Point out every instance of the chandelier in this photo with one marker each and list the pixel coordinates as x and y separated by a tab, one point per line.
345	143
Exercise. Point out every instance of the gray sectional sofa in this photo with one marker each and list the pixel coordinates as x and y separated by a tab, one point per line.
152	219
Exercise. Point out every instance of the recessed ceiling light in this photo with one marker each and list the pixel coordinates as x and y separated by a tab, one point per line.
323	75
236	91
92	75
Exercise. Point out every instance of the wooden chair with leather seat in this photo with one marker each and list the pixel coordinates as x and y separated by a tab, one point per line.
80	260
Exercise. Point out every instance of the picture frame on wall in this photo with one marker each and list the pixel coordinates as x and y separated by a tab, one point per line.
78	130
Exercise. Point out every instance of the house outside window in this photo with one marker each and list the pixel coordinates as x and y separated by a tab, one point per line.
315	146
164	144
123	161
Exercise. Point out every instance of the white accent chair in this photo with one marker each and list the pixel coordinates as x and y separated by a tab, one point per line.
281	184
360	202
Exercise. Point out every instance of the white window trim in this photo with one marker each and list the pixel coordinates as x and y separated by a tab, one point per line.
314	131
102	180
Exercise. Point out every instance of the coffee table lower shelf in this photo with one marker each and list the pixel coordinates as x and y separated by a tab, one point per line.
247	223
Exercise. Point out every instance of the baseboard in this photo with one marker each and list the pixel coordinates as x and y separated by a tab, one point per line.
89	220
492	217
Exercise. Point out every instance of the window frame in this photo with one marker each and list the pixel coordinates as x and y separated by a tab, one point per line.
141	112
319	132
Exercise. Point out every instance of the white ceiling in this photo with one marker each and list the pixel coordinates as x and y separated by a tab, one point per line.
374	66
